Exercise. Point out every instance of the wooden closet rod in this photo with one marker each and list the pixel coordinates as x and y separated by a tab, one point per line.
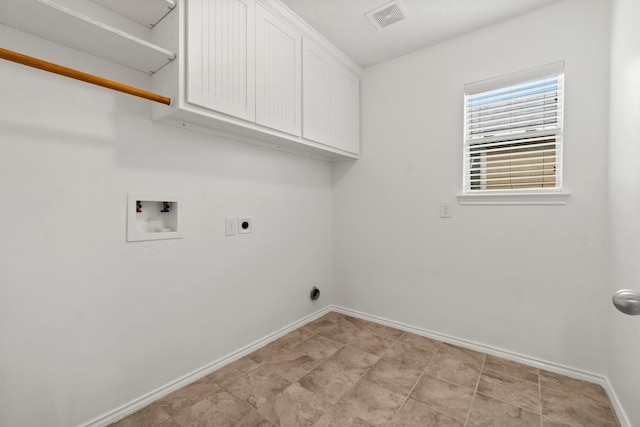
79	75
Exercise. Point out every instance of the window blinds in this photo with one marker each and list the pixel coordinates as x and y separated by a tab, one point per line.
513	137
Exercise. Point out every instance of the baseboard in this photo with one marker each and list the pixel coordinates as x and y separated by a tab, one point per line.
141	402
526	360
617	406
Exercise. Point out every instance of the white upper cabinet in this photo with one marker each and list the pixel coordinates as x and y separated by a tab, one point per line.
346	110
278	74
221	56
331	100
317	114
253	71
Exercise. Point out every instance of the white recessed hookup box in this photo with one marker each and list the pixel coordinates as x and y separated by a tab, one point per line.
153	217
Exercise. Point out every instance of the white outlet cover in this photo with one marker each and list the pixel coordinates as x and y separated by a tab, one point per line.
445	210
230	226
241	222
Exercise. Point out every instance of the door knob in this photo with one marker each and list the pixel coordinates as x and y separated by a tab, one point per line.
627	301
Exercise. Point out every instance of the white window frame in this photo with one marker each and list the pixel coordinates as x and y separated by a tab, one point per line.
549	195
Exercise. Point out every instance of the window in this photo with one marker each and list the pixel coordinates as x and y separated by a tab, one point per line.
513	133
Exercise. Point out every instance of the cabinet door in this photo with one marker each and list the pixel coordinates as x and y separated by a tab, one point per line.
221	56
278	74
346	110
316	109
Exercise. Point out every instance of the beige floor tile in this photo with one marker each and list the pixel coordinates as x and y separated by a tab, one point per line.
514	369
384	331
339	416
354	323
220	410
576	410
336	375
259	389
152	415
408	355
548	423
453	369
424	343
318	325
511	390
291	365
265	353
371	403
338	332
470	357
376	328
573	386
417	414
349	356
326	319
319	347
443	396
298	407
367	341
486	411
187	396
393	376
328	382
233	370
294	338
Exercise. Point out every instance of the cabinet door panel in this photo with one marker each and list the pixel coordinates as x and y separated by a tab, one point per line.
346	110
221	56
278	74
316	76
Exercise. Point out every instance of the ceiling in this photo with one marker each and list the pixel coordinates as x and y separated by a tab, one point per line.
344	23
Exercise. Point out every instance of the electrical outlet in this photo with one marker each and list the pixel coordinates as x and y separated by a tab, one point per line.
245	225
445	209
231	226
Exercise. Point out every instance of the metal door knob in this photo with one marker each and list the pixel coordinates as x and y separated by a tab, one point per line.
627	301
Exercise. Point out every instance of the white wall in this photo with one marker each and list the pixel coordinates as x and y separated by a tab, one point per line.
624	193
89	322
527	279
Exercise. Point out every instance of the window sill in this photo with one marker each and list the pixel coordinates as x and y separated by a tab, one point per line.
555	198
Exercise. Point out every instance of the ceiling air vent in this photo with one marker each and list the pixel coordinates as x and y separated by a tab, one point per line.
387	14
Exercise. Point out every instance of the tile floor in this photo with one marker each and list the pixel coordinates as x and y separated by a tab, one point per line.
343	371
